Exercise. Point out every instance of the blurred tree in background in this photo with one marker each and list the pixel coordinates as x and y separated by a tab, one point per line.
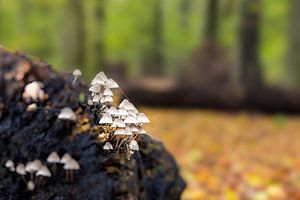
158	37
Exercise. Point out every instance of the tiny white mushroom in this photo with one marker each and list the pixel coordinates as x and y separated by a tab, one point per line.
142	118
122	112
134	129
30	186
113	111
107	92
76	73
96	98
119	132
10	165
118	123
43	172
133	145
20	169
106	99
130	120
108	146
67	114
142	130
32	107
106	119
66	157
53	158
111	83
70	166
34	91
95	88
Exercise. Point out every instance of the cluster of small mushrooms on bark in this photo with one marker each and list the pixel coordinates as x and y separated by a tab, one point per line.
120	124
35	172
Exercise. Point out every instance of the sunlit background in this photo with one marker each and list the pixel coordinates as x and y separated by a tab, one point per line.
212	54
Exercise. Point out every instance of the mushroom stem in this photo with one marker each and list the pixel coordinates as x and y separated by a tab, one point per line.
54	168
71	176
24	179
122	141
74	80
67	175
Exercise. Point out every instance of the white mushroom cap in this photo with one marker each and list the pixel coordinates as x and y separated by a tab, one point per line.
133	145
32	107
53	158
142	118
113	111
96	98
128	131
134	129
67	114
108	146
142	130
30	185
130	120
107	92
77	72
34	91
122	112
100	78
71	165
132	113
106	119
20	169
44	171
118	123
33	166
95	88
106	99
120	131
9	164
36	165
125	101
65	158
111	83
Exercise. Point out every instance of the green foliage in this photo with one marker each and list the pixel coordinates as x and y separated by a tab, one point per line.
39	26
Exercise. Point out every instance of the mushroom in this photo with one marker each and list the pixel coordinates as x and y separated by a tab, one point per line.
133	145
108	146
113	111
32	167
30	186
76	73
42	172
70	166
67	114
130	120
34	91
10	165
106	119
53	158
142	130
100	78
106	99
107	92
32	107
20	169
65	158
122	113
95	88
142	118
96	98
111	83
118	123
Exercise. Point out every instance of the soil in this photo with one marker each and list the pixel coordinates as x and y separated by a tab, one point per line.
151	173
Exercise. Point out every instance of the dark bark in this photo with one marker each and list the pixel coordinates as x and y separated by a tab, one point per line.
153	59
250	66
211	26
151	173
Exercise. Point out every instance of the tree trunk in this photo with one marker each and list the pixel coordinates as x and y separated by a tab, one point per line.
211	20
185	6
100	24
73	38
249	66
292	71
153	61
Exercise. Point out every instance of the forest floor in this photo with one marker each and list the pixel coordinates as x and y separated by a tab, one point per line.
232	155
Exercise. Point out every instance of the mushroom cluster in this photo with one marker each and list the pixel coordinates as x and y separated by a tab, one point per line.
34	92
120	124
35	172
